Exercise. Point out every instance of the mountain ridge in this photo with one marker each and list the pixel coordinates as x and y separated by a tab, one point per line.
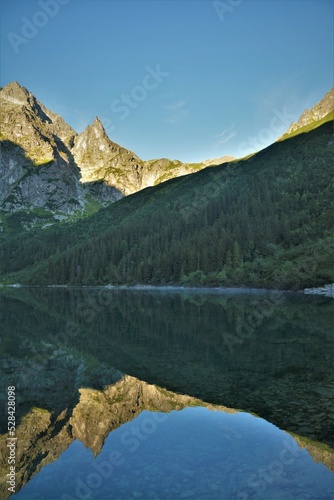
76	174
35	160
262	221
265	221
317	113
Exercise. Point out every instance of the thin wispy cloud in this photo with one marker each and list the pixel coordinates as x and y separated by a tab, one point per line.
171	120
226	134
175	105
176	111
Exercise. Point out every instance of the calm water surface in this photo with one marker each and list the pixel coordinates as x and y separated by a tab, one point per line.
168	394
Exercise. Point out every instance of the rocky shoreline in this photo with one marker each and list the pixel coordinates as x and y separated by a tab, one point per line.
327	290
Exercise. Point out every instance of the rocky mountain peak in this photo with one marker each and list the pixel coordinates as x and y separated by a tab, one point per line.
218	161
96	130
98	124
102	159
36	165
318	112
21	98
45	164
93	161
15	93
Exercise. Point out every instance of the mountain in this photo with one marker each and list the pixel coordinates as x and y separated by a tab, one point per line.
265	221
218	161
43	435
37	169
101	159
319	112
48	172
40	182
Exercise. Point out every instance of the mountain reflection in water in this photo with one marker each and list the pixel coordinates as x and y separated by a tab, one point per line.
192	453
261	352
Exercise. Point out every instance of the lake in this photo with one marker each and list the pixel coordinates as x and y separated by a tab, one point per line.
168	393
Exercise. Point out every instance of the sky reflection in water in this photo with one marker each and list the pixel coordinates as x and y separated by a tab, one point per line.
193	453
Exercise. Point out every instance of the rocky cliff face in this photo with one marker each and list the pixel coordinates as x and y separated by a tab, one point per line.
36	128
36	165
318	112
45	165
101	159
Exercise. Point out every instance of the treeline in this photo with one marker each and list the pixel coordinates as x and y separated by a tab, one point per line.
264	221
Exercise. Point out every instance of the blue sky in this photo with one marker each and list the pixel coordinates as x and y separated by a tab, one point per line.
179	79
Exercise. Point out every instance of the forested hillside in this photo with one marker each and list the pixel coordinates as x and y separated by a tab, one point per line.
262	221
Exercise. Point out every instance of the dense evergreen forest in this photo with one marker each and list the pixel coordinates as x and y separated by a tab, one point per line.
265	221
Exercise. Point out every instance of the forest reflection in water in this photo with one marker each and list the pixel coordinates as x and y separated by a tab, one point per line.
267	353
